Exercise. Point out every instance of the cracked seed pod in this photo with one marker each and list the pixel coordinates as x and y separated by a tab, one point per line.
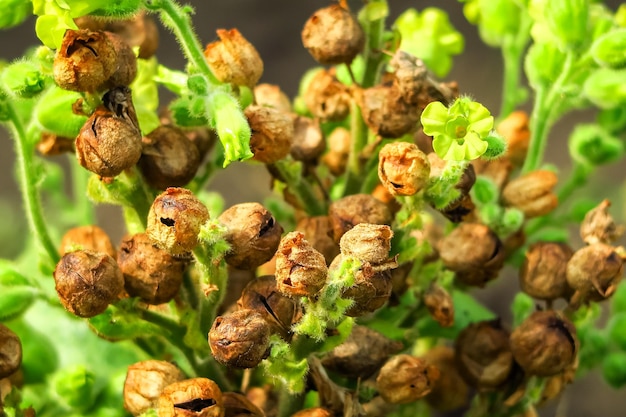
84	61
439	304
449	392
367	242
336	158
532	193
326	97
317	231
253	235
301	270
362	354
474	252
87	282
545	344
402	168
386	113
313	412
308	142
145	382
197	397
233	59
270	95
272	133
595	269
175	219
10	352
599	226
483	355
169	158
280	311
351	210
333	36
89	237
126	67
237	405
240	339
404	379
52	145
543	274
515	129
150	273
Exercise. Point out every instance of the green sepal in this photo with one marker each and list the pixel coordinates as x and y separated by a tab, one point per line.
614	369
523	306
590	144
484	191
606	88
54	112
75	386
15	12
173	80
283	366
198	85
609	50
122	323
15	300
22	79
496	146
182	115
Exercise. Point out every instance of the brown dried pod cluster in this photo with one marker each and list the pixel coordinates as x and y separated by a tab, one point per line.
543	274
404	379
366	242
402	168
386	113
89	237
272	133
317	231
233	59
449	392
336	158
308	140
87	282
351	210
195	397
439	304
237	405
145	382
10	352
270	95
326	97
301	270
594	271
599	226
532	193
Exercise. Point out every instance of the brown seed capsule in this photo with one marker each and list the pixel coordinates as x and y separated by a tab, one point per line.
265	398
237	405
367	242
595	269
317	232
89	237
253	234
545	344
84	61
308	140
270	95
386	113
532	193
52	145
543	274
404	379
197	397
333	36
483	355
10	352
301	270
450	391
126	68
144	383
515	130
240	339
336	158
272	133
175	219
599	226
497	170
313	412
150	273
326	97
474	252
402	168
87	282
168	159
233	59
351	210
439	304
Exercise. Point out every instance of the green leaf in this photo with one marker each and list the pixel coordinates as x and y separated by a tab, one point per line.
15	12
610	49
522	307
373	11
15	300
118	324
54	112
75	386
9	277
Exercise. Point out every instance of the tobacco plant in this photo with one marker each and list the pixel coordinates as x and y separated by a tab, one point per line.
350	290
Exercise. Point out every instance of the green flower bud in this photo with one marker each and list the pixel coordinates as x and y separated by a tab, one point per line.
22	79
496	146
497	19
606	88
511	221
568	20
609	50
197	84
543	64
484	191
592	145
76	387
614	369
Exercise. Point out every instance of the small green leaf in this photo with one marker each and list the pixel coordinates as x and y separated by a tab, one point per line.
54	112
118	324
15	300
232	128
15	12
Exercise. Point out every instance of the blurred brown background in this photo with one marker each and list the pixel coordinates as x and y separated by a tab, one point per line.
274	28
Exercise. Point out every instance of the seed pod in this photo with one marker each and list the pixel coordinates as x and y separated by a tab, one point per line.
386	113
439	304
333	36
483	355
272	133
10	352
545	344
308	140
402	168
237	405
317	231
84	61
474	252
233	59
197	397
270	95
253	234
338	150
126	68
265	398
404	379
351	210
462	208
175	219
52	145
89	237
313	412
301	270
168	159
326	97
87	282
515	130
237	281
367	243
240	339
450	391
595	269
599	226
144	383
532	193
150	273
544	272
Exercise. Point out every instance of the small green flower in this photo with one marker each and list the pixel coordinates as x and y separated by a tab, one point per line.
459	131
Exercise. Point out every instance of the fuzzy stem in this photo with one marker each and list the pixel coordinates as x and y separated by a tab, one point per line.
512	53
289	403
358	132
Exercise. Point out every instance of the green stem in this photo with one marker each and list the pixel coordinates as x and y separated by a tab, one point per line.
372	54
511	84
82	205
288	403
301	188
358	131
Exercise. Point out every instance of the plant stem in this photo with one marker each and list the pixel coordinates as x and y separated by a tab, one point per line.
512	53
372	53
288	403
83	206
301	188
358	131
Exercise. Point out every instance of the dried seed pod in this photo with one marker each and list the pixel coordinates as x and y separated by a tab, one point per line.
237	281
326	97
386	113
545	344
317	230
367	242
10	352
439	304
351	210
532	193
84	61
474	252
252	232
265	398
308	140
514	128
336	158
51	144
144	383
87	282
404	379
237	405
402	168
233	59
313	412
450	391
333	36
150	273
89	237
240	339
301	270
126	68
168	159
543	273
175	219
270	95
497	170
272	133
483	355
599	226
362	354
197	397
595	269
